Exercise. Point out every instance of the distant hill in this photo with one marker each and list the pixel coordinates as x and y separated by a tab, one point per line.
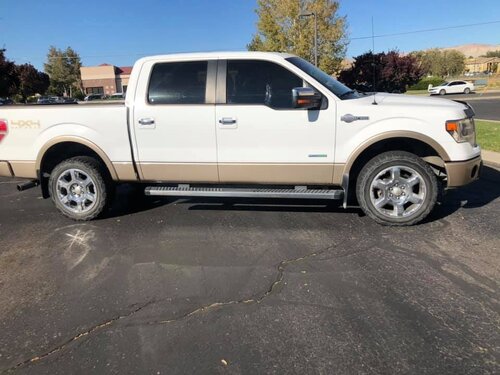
474	50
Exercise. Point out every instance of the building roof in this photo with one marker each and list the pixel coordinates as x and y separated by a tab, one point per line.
124	70
482	60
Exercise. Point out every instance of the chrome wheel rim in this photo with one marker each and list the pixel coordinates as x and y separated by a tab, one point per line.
76	191
398	192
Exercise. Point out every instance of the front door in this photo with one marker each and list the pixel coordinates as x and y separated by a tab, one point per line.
174	122
261	138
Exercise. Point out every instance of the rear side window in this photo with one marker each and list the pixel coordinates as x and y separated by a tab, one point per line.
178	83
260	82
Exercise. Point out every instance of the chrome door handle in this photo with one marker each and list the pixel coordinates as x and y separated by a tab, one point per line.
147	121
227	121
351	118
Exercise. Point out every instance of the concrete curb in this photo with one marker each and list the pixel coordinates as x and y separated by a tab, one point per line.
491	158
482	119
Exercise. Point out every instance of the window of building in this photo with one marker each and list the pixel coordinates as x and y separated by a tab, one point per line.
178	83
95	90
260	82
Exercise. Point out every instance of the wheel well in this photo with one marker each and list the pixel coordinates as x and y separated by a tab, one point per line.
414	146
60	152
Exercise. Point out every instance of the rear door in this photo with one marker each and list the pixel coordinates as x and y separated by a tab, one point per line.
261	138
174	114
456	87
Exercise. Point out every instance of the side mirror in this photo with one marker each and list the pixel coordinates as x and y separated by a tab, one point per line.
306	97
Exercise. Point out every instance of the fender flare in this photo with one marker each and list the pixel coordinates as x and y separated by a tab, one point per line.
394	134
82	141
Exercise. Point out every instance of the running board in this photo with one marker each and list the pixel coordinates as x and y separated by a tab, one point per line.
297	193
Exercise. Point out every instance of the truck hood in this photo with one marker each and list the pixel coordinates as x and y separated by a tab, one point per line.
406	106
401	100
413	100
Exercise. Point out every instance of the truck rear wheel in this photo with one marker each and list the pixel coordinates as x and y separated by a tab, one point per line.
397	188
80	188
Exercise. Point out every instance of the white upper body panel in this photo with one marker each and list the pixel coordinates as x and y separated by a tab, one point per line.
106	125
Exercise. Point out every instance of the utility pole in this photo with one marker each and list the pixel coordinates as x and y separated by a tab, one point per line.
313	14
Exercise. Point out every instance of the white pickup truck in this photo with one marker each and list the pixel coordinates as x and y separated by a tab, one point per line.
244	124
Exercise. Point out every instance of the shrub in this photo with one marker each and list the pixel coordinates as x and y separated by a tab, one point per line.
425	82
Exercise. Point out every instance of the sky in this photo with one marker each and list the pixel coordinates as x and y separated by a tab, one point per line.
119	32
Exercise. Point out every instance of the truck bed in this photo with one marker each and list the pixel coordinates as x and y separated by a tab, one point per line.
31	127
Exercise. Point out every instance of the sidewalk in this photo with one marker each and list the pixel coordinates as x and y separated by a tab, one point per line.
491	158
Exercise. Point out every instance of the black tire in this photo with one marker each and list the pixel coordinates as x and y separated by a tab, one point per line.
366	188
102	187
467	91
442	92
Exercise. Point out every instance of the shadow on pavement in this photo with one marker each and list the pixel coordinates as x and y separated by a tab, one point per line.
477	194
130	199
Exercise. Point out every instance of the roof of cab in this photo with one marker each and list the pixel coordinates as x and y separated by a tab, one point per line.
217	55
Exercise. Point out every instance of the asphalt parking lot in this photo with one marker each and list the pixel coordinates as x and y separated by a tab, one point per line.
246	287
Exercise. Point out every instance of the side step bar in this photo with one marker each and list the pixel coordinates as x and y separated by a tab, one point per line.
298	193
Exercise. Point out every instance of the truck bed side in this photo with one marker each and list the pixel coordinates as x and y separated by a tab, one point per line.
32	130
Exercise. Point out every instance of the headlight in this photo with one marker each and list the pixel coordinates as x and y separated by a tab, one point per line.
462	130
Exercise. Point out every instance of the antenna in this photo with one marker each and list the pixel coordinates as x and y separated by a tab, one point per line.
374	72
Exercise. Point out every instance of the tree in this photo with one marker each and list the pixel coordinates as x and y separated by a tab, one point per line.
63	68
9	80
280	29
454	62
393	72
440	63
31	81
493	53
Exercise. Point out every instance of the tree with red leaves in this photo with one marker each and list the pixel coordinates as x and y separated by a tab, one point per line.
31	81
9	80
391	72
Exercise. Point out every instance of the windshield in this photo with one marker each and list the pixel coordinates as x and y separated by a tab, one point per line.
444	84
339	89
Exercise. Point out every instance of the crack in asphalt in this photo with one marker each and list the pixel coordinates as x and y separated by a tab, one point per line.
278	280
77	337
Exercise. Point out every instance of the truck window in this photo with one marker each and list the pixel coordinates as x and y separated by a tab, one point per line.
178	83
260	82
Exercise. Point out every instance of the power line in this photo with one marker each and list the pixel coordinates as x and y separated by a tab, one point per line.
425	30
355	38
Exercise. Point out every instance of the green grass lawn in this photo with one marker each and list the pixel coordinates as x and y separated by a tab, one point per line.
488	135
417	92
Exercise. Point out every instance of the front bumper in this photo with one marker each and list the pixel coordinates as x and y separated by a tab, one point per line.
463	172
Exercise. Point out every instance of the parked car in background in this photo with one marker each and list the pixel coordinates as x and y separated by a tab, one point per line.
55	100
117	96
452	87
6	101
91	97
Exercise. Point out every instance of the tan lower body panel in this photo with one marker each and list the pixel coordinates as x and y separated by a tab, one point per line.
338	174
5	170
179	172
250	173
24	169
462	172
125	171
307	174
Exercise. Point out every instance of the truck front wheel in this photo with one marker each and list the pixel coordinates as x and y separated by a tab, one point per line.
80	188
397	188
